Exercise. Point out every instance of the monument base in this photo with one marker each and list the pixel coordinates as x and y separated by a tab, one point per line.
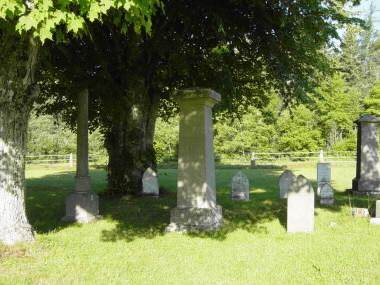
82	207
240	196
370	187
195	219
327	202
154	195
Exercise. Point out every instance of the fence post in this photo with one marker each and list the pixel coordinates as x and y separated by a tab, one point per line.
253	160
71	160
321	158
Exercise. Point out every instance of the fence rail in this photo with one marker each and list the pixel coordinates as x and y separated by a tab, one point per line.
261	157
243	157
69	159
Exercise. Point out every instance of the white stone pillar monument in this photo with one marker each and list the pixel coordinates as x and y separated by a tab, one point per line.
82	205
367	178
196	198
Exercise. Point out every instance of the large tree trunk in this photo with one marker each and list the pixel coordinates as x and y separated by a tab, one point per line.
129	143
17	92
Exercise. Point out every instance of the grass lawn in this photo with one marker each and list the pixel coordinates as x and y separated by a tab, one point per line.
129	246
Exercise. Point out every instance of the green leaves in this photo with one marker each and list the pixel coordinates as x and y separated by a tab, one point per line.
45	18
11	8
372	102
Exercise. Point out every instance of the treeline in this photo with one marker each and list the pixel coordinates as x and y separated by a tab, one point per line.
323	120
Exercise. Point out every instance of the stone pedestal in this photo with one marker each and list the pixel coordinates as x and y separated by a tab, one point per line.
195	219
196	198
367	178
300	211
82	206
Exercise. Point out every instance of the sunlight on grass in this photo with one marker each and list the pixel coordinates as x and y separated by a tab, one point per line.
129	244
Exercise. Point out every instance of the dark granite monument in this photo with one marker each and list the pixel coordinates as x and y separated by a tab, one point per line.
367	180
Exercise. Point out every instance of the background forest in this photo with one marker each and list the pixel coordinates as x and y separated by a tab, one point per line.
323	119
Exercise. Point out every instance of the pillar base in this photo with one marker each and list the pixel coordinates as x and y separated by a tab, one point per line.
195	219
82	207
327	202
240	196
372	187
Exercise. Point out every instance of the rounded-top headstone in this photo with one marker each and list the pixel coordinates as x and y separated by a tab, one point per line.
301	185
240	187
284	182
150	182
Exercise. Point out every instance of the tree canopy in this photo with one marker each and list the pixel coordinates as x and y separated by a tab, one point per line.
372	102
46	19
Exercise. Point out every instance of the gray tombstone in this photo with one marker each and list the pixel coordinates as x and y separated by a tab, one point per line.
326	194
284	182
240	187
300	212
323	175
150	182
367	178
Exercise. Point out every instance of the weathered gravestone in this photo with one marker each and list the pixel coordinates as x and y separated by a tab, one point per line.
360	212
150	182
300	212
367	180
284	182
323	175
197	208
240	187
326	194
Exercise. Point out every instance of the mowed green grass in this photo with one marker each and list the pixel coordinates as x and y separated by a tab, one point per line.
129	246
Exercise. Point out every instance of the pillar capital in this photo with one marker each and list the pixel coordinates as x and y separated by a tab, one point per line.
198	96
368	119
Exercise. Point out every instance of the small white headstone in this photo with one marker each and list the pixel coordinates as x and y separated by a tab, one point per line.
326	194
376	219
323	174
377	208
284	182
240	187
300	212
360	212
150	182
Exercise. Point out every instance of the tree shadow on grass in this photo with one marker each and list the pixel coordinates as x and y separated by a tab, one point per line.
45	198
147	217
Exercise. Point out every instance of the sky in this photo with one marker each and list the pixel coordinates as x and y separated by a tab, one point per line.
364	9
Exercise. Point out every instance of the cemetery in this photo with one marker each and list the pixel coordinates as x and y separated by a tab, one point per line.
159	142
